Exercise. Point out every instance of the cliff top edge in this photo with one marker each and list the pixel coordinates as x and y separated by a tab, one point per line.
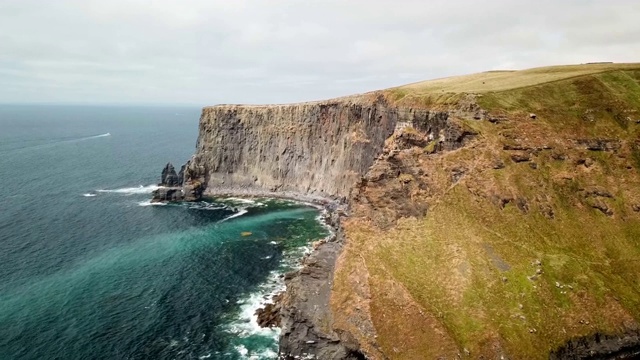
478	83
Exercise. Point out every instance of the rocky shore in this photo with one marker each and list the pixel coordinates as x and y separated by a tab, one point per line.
302	310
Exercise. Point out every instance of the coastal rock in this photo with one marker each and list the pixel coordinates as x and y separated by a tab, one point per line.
305	308
170	189
269	316
169	177
166	194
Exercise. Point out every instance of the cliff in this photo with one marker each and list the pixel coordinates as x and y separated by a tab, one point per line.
316	149
492	215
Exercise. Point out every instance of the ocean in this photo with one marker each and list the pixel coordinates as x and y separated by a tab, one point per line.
90	269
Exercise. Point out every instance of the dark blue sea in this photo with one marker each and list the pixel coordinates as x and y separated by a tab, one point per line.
89	269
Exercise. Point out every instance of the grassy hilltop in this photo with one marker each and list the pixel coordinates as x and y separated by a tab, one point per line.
532	231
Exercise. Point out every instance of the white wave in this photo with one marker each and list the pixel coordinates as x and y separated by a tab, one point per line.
242	350
246	324
243	201
203	205
149	203
132	190
89	195
239	213
266	354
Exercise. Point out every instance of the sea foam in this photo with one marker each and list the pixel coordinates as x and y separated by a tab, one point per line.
149	203
239	213
132	190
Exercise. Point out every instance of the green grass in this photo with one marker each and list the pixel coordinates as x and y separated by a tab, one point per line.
492	81
580	248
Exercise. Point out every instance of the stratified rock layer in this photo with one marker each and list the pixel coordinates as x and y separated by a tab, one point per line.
317	149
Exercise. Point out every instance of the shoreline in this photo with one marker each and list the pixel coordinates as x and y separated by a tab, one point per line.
302	308
269	292
317	201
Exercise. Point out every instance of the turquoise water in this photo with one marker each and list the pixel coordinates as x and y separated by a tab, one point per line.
90	270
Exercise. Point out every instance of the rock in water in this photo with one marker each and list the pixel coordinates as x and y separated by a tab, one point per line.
171	186
169	177
167	194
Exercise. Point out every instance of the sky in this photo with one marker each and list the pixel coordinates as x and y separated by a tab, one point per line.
206	52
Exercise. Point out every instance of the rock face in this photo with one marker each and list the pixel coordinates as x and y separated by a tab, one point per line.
439	131
601	346
169	177
316	149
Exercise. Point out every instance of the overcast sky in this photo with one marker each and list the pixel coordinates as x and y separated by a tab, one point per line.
206	52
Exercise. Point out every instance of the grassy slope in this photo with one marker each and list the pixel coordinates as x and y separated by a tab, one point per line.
460	277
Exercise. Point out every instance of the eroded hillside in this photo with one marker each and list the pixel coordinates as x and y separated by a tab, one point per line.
509	237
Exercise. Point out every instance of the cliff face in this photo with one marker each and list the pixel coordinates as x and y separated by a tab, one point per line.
316	149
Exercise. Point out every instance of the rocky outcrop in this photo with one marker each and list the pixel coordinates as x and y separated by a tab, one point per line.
601	346
169	177
437	127
170	186
600	144
173	187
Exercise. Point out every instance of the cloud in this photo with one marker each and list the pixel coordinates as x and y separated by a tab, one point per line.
210	51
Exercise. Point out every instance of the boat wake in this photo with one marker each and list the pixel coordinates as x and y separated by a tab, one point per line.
98	136
131	190
58	142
